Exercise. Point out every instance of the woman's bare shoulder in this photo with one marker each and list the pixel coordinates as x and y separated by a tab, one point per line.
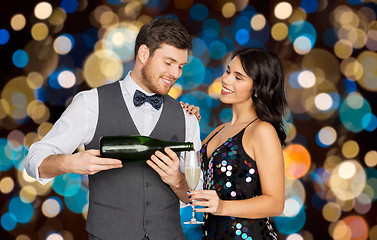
260	129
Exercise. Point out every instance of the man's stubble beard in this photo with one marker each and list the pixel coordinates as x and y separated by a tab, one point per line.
147	80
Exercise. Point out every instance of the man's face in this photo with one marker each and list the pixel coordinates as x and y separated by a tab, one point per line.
163	68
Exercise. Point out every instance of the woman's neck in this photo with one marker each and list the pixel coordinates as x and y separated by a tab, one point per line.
243	113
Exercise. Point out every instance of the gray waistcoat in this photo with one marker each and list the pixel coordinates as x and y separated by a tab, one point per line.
132	201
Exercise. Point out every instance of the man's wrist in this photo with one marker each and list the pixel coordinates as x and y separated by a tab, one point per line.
181	183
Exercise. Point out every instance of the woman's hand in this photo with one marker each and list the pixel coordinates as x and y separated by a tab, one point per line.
207	199
191	109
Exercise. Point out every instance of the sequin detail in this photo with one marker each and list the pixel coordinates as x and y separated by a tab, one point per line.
234	176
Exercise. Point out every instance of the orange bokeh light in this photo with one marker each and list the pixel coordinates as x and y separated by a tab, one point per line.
297	161
358	227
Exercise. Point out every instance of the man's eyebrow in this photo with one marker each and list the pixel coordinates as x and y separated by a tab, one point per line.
172	59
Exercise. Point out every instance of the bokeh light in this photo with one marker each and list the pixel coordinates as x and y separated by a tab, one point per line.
18	22
283	10
4	36
43	10
297	161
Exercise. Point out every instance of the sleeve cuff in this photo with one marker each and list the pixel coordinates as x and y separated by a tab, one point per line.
32	166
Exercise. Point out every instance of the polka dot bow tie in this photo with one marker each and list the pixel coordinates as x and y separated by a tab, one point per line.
155	100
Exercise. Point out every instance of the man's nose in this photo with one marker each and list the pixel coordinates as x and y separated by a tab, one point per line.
175	72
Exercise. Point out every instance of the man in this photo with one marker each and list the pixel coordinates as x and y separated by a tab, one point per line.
133	200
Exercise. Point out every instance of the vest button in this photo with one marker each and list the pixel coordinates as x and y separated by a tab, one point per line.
148	203
148	184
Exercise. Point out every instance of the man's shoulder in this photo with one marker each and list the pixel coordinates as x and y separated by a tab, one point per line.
109	85
171	100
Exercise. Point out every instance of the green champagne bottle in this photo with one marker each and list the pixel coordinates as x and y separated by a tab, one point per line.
137	148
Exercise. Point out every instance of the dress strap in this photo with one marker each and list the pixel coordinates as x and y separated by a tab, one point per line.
252	122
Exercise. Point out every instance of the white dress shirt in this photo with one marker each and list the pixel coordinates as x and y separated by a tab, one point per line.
77	126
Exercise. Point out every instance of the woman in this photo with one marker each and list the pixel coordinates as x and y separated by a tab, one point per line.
242	163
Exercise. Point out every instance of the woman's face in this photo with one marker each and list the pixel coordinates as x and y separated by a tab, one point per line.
236	84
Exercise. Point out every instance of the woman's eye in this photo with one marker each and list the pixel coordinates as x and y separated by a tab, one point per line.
168	63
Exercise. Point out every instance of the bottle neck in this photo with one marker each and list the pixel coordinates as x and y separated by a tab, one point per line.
187	146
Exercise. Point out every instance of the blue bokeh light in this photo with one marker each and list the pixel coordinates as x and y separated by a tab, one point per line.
19	155
217	50
5	162
310	6
53	80
210	31
156	6
226	115
76	202
242	36
69	6
369	122
318	180
211	24
302	29
350	86
21	210
39	94
229	31
293	80
8	221
20	58
199	12
67	185
352	110
4	36
336	101
243	22
229	44
289	225
204	102
199	47
193	74
355	2
115	2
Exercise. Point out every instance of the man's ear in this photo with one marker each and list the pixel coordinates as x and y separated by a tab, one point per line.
143	53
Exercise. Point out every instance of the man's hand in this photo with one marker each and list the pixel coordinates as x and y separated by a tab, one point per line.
167	166
88	162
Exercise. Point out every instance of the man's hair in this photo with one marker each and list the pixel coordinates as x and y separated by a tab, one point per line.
160	31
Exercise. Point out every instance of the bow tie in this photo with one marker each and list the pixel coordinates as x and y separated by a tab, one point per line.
155	100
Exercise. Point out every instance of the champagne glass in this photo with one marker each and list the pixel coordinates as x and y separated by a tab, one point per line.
192	173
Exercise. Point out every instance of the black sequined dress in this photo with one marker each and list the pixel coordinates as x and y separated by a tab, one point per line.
234	176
